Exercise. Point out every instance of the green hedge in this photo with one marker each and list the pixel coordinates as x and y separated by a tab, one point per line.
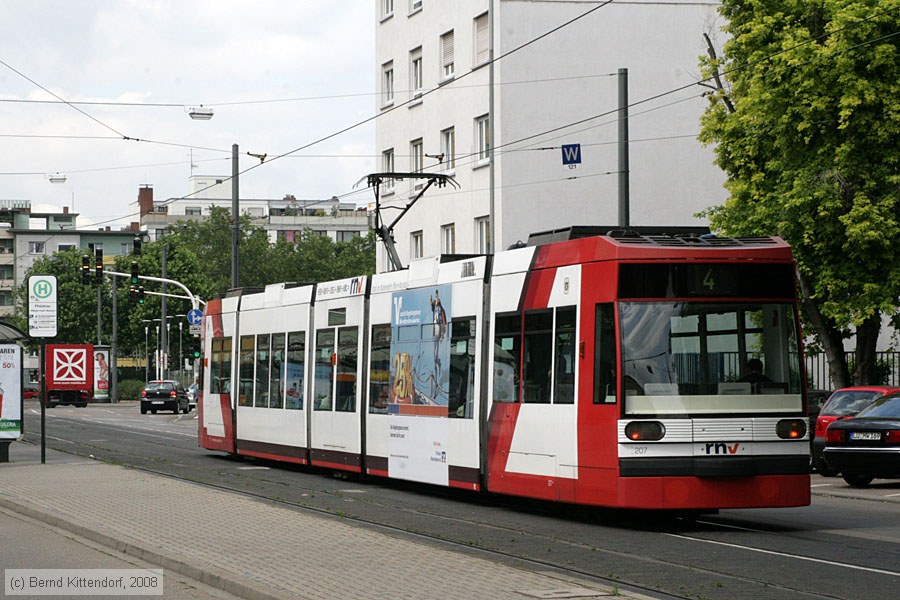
130	389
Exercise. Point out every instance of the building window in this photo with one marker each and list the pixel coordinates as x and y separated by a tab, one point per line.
482	235
346	236
447	55
415	72
6	298
35	247
125	248
6	272
192	211
387	83
448	239
387	8
387	166
482	138
416	248
415	5
448	148
416	161
65	247
482	40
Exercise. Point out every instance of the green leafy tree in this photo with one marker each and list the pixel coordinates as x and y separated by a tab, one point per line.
806	124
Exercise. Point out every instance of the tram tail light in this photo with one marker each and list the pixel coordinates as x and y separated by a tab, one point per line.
645	431
835	436
791	429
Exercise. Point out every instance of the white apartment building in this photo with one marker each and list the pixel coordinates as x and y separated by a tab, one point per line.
499	126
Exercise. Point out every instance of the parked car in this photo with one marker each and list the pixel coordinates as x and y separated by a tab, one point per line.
842	404
30	390
867	446
164	395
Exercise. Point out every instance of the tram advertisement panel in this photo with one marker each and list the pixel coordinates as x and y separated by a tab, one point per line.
420	352
418	449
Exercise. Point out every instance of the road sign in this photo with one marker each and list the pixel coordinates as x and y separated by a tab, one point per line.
194	330
571	155
42	306
195	316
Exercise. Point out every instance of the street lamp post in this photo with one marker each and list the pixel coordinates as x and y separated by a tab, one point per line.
146	353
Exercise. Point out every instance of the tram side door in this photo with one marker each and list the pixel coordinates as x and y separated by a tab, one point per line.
336	381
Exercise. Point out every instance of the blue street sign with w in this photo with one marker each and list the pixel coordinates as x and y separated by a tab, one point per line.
571	154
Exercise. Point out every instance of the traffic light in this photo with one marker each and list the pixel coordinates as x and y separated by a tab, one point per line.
196	350
98	267
140	294
85	269
136	245
135	273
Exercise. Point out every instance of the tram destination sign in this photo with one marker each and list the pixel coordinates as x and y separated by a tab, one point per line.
42	306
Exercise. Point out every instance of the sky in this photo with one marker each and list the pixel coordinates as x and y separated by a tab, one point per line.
279	75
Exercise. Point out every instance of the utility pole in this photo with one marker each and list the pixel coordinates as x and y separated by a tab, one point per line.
235	218
164	340
114	348
624	200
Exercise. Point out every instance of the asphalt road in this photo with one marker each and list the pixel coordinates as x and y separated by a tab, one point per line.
846	545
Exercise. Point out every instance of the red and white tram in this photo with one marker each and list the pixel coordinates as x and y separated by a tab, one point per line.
604	370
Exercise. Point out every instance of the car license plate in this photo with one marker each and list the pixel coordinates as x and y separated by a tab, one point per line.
865	435
158	402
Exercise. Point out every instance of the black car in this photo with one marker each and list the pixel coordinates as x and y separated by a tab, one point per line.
867	446
164	395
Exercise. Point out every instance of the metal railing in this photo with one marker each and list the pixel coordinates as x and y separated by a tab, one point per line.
887	370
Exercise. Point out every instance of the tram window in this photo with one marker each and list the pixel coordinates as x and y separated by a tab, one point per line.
276	372
564	356
337	316
294	366
245	372
462	368
261	383
538	349
345	399
221	370
215	366
324	378
380	369
604	354
507	346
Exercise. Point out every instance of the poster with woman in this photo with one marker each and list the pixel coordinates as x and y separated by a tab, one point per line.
101	373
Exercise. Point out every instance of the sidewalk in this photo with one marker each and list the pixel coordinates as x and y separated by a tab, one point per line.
252	548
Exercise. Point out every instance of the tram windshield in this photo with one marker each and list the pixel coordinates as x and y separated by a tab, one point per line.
704	358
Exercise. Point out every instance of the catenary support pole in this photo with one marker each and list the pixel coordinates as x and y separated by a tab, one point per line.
624	200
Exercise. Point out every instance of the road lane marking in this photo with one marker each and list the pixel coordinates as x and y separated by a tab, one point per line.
786	555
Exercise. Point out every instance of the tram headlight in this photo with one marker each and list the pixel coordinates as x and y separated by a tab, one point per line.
645	431
791	429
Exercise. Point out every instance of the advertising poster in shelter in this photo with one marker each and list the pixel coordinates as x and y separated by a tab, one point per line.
10	391
101	373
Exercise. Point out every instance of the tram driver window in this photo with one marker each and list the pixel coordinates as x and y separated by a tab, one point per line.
538	356
604	354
